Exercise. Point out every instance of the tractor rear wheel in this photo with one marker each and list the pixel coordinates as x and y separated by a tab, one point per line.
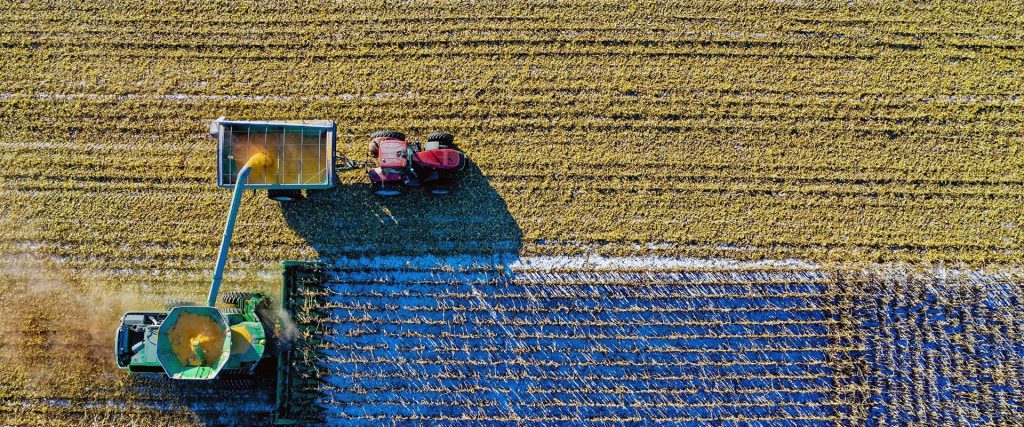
285	196
388	134
386	189
235	298
443	138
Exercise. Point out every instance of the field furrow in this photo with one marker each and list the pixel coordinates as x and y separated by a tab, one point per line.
687	213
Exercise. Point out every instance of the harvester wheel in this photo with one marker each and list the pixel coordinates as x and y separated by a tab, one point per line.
273	325
178	303
285	196
386	189
388	134
235	298
443	138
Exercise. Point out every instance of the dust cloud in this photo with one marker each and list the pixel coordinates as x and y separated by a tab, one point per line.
51	328
287	331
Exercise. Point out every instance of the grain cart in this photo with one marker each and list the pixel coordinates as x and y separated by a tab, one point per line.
199	342
300	155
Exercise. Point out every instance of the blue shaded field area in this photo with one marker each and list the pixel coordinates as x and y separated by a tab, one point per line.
942	350
729	348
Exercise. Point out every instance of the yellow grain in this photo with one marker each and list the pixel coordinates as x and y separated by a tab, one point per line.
194	332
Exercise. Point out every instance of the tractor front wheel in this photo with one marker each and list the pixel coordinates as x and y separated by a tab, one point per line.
285	196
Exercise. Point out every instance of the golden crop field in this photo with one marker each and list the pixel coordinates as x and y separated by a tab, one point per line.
879	144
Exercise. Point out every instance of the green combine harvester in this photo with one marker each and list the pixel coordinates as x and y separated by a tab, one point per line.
233	340
210	342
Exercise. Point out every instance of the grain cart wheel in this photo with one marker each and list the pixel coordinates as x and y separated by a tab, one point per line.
235	298
443	138
285	196
178	303
387	189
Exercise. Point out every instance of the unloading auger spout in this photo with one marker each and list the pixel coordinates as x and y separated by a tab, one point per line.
258	160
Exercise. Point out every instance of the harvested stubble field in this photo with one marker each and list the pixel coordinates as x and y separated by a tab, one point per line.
880	144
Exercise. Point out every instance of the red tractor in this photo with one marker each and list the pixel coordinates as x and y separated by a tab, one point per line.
402	164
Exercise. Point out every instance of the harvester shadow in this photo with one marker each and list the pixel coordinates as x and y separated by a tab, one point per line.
222	402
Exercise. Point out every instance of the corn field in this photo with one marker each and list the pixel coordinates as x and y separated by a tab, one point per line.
729	213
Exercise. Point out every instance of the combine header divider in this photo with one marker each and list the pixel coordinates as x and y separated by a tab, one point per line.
296	392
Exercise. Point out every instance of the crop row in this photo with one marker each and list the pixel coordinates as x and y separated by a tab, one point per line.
80	222
829	61
521	346
845	133
942	352
893	353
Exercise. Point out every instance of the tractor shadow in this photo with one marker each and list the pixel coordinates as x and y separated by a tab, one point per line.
349	221
348	225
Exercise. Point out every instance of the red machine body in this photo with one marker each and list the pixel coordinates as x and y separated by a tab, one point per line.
412	164
391	153
439	158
